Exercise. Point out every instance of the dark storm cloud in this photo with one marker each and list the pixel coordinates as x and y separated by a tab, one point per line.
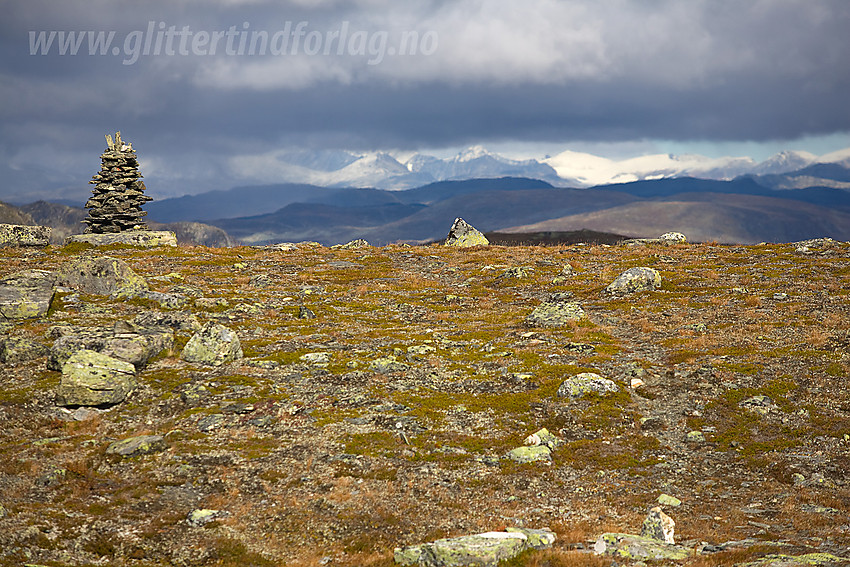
496	71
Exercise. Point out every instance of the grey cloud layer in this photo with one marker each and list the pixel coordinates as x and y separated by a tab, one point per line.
502	70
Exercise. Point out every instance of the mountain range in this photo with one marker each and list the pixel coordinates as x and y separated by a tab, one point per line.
791	196
383	170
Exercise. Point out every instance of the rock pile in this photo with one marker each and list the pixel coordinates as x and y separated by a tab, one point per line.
118	192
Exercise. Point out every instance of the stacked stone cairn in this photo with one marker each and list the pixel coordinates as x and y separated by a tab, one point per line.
118	194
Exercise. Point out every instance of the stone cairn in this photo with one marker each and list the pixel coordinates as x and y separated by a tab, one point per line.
118	193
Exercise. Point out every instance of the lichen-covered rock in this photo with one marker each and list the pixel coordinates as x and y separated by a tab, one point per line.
543	437
24	235
484	550
673	238
586	383
358	243
14	350
213	345
638	548
807	560
554	314
658	526
124	341
137	446
464	235
387	365
530	454
93	379
137	238
102	276
26	295
634	280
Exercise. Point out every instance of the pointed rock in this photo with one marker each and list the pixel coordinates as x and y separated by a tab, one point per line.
658	526
464	235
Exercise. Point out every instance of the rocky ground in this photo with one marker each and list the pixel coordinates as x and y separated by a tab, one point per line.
382	389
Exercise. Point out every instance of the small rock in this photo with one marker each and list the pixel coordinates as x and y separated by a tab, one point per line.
316	358
530	454
200	517
387	365
658	526
137	446
305	313
487	549
210	422
464	235
667	500
637	548
634	280
586	383
213	345
543	437
3	512
695	437
555	314
673	238
358	243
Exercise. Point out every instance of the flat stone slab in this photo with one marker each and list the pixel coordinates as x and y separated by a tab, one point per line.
638	548
24	235
140	238
484	550
137	446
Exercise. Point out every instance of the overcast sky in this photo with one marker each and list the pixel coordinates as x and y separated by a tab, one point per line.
197	84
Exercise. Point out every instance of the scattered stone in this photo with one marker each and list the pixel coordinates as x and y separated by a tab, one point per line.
759	404
101	276
213	345
581	348
260	280
24	235
90	378
166	300
586	383
211	421
358	243
673	238
464	235
638	548
3	512
201	517
554	314
658	526
530	454
667	500
387	365
634	280
15	350
486	549
179	321
26	295
305	313
118	194
543	437
695	437
137	446
316	358
194	394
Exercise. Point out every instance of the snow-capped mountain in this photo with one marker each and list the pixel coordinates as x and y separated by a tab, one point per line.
381	170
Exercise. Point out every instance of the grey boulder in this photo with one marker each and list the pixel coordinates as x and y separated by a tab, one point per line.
213	345
26	295
90	378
